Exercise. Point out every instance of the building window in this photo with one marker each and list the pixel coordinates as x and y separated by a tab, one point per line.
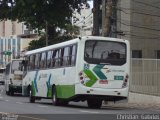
136	53
157	54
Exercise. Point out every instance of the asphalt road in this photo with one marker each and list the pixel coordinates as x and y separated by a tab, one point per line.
44	110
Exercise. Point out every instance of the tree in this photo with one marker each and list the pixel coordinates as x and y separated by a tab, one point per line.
35	44
35	13
70	32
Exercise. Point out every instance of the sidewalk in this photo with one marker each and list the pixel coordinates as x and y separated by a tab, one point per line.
135	106
138	101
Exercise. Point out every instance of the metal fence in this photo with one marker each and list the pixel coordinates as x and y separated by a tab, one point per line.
145	76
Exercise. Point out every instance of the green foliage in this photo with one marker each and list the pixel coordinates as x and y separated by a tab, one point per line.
70	33
72	30
35	44
42	14
35	13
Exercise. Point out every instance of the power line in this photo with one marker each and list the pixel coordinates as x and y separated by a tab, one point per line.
157	35
144	37
147	4
142	27
141	37
148	25
120	9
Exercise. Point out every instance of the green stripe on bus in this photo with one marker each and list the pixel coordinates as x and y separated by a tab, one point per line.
49	91
99	73
65	91
92	77
33	89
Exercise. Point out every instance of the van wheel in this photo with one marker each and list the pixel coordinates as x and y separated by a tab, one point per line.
31	97
55	100
97	103
7	92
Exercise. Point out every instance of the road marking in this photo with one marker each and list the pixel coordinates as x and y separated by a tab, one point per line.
34	118
42	106
19	102
6	100
88	111
1	97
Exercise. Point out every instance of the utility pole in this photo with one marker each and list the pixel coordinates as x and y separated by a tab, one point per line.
107	14
96	9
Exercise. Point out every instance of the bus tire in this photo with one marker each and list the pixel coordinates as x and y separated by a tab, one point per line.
55	100
31	97
63	102
94	103
11	92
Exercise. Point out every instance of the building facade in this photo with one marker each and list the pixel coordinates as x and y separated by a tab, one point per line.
14	39
10	28
12	48
84	19
138	21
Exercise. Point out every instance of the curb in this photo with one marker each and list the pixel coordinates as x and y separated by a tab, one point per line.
134	106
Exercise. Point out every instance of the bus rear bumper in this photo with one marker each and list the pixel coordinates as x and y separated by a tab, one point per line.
106	93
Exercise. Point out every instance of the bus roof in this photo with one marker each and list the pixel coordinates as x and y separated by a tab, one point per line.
73	41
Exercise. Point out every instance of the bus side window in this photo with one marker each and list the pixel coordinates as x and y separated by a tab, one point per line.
66	56
57	59
73	59
43	60
37	61
61	55
53	58
49	56
32	60
70	55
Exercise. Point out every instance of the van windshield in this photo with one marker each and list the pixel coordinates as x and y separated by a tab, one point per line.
16	64
105	52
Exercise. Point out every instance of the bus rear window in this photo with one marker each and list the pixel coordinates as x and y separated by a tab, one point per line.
105	52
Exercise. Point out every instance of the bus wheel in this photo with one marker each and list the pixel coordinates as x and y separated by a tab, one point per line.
31	97
94	103
11	93
55	100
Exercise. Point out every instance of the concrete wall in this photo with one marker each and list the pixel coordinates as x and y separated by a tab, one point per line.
143	99
139	20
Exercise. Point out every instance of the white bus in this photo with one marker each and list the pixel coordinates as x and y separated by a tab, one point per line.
2	71
88	68
13	77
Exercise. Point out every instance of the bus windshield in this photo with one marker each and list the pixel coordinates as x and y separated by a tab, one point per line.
105	52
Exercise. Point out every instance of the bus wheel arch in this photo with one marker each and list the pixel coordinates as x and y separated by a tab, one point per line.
55	100
28	90
31	97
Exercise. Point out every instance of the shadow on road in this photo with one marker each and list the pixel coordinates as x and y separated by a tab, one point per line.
84	106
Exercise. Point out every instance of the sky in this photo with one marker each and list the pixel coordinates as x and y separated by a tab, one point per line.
91	4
